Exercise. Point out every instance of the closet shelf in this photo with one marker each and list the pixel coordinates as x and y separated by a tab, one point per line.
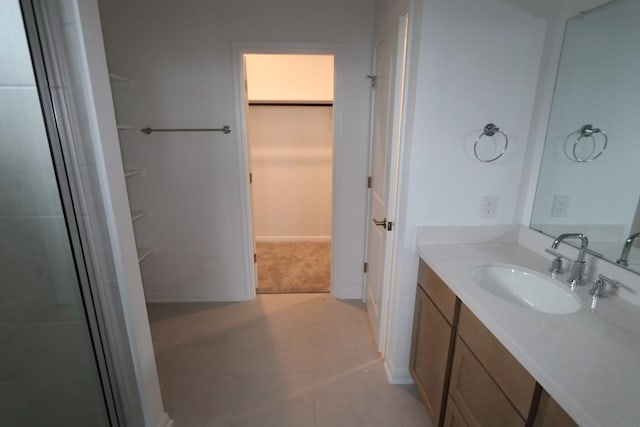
136	214
128	173
117	80
143	253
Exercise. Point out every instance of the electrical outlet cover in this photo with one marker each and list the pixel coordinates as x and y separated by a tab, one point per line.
560	206
489	207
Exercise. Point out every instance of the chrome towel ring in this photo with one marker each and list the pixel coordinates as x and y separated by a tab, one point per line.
585	135
490	130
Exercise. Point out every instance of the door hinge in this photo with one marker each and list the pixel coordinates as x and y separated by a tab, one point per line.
255	258
373	78
250	178
365	267
389	226
369	181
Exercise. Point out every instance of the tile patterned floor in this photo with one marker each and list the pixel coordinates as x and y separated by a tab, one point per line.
280	360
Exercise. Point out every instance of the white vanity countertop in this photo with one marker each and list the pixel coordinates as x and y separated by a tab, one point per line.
588	361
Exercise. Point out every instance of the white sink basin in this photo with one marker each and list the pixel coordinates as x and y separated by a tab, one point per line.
527	288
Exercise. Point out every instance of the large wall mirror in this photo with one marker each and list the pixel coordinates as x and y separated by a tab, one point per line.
590	174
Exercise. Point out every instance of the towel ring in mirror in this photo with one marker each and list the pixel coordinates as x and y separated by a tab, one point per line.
586	134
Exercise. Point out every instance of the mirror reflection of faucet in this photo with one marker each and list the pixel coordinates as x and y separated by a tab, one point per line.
624	256
576	277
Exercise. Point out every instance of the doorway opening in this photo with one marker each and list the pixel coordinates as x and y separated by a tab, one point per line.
289	123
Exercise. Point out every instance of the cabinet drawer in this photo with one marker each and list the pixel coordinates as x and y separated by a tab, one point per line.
550	414
505	370
453	418
438	291
430	353
476	395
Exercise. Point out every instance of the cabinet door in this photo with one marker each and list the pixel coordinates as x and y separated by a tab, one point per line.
429	353
476	395
550	414
453	417
505	370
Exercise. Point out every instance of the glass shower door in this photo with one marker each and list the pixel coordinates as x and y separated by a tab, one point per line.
51	372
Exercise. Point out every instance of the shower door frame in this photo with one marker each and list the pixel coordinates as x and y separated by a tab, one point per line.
93	315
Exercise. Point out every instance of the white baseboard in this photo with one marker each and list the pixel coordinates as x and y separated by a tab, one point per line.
397	376
349	294
165	421
170	297
281	239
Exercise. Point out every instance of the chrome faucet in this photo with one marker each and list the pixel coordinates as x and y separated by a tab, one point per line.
624	256
577	269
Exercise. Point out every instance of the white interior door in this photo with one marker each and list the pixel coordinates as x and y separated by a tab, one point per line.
379	198
251	194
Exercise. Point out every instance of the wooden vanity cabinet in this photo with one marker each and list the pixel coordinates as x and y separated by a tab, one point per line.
476	395
550	414
488	385
465	376
453	417
504	370
433	333
443	298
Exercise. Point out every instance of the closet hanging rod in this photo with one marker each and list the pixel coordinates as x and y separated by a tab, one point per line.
148	130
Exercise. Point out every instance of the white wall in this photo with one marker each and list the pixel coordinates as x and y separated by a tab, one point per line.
291	157
289	77
478	62
180	57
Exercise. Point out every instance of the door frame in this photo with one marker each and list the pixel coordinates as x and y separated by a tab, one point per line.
239	49
397	148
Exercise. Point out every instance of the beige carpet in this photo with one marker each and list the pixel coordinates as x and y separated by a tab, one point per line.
294	267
